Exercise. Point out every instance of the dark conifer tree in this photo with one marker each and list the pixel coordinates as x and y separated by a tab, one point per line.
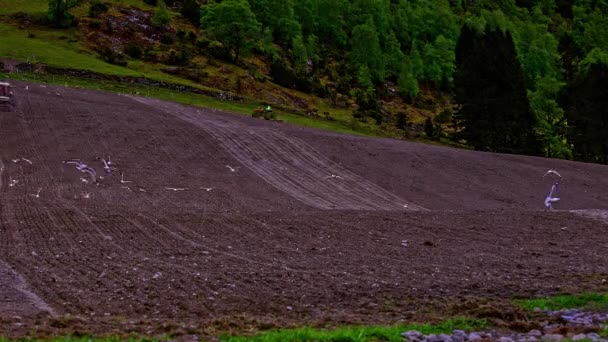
586	105
489	85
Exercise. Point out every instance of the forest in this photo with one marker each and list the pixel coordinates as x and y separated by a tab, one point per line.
526	76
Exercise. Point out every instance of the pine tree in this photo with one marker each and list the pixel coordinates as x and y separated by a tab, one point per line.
586	106
489	85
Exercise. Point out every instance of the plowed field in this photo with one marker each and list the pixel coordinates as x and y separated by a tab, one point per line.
224	218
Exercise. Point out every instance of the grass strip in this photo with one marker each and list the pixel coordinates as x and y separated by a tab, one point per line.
596	301
360	333
245	107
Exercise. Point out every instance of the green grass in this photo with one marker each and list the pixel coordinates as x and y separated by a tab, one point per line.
80	339
15	44
356	334
30	6
584	300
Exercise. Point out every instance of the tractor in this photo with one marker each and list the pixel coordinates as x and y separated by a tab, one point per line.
264	112
6	96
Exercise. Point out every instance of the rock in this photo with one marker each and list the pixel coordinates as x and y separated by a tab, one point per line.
505	339
445	338
412	335
474	337
535	333
593	336
433	338
579	337
552	338
458	336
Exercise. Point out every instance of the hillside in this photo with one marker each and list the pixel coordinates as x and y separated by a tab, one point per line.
341	229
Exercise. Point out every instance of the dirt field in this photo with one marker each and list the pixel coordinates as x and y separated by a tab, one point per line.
310	227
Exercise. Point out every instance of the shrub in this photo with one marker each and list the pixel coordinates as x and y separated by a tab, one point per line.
97	8
401	120
111	56
133	50
166	39
161	17
95	24
151	2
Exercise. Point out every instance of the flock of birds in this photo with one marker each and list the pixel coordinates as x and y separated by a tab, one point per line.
109	168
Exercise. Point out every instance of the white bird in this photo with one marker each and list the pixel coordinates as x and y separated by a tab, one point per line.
549	200
86	195
552	172
175	189
334	176
232	169
27	88
82	167
126	187
207	189
13	182
107	165
22	159
122	179
37	195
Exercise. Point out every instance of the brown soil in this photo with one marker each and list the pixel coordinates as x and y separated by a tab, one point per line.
277	242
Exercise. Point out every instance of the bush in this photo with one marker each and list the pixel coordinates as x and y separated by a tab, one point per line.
59	14
401	120
161	17
151	2
111	56
97	8
95	24
133	50
166	39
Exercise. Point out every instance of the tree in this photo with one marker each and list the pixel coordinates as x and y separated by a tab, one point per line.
586	105
232	23
59	12
280	17
366	50
191	10
161	17
489	84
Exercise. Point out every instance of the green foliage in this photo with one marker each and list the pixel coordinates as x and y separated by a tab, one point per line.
331	22
586	105
489	85
552	124
97	8
408	84
161	17
59	12
583	300
279	16
191	10
393	56
366	51
233	24
361	333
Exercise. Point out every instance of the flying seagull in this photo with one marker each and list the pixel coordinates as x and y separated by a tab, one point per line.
37	195
206	189
175	189
552	172
122	179
82	167
107	165
549	200
334	176
232	169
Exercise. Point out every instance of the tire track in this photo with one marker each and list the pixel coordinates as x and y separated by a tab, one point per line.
18	295
291	165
